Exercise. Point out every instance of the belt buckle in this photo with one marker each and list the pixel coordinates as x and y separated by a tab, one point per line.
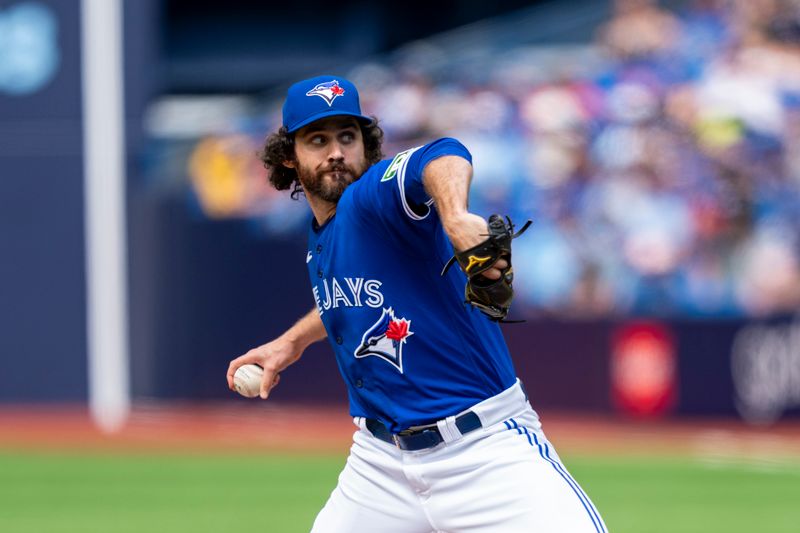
396	439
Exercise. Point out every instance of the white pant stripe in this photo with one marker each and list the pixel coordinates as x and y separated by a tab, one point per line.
587	504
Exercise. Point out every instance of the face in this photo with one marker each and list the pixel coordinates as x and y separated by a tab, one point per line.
329	156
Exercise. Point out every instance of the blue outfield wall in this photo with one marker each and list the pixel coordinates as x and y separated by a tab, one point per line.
42	279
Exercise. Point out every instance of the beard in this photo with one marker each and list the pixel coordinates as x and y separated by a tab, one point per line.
328	183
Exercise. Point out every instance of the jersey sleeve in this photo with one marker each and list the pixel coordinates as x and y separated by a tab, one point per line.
391	199
409	166
396	193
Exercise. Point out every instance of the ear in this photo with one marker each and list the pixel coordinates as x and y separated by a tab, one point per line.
289	163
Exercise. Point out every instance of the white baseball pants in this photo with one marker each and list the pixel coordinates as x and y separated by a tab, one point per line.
502	478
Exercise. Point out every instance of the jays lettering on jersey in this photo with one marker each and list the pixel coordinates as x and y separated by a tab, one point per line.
408	348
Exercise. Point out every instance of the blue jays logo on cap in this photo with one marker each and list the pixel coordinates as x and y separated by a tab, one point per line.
328	91
337	96
385	339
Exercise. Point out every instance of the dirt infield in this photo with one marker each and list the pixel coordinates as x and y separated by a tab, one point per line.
259	428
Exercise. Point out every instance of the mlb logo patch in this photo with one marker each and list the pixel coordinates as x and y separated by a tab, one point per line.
328	91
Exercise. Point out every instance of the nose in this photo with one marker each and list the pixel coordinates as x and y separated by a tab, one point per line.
336	153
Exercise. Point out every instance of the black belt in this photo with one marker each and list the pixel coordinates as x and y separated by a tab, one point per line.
420	439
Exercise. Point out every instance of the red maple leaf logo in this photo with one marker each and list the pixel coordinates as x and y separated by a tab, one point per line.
337	91
397	330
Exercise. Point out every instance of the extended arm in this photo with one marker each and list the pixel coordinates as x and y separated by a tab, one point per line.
278	354
447	181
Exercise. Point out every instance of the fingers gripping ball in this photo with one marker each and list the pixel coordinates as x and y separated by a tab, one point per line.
247	380
492	297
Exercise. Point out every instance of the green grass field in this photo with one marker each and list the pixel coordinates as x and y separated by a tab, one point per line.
52	493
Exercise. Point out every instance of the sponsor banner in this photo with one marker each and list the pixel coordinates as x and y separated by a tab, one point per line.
765	368
750	370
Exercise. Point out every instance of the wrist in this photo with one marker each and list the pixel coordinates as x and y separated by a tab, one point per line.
294	340
454	221
466	230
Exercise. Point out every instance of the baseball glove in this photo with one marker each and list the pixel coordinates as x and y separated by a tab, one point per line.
492	296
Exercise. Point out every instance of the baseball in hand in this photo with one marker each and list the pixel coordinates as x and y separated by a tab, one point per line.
247	380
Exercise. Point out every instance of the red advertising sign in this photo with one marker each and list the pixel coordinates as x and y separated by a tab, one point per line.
643	369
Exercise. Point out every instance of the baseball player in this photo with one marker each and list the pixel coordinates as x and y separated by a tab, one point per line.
447	440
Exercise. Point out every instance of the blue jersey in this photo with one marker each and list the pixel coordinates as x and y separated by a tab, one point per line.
409	349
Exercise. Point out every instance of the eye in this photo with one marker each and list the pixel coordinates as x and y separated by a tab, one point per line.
317	139
348	137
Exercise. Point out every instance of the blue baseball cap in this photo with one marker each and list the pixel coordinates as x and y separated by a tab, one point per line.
324	96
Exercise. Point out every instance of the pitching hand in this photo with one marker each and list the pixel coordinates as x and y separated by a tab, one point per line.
273	357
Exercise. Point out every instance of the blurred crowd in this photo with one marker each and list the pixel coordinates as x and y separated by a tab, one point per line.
660	164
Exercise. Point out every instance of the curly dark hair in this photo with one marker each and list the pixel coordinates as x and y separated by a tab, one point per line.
279	147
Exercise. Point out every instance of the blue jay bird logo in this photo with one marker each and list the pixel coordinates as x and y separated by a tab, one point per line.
328	91
385	339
